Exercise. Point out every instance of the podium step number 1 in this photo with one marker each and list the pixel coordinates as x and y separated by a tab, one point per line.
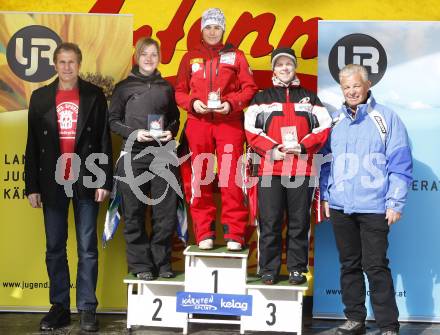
215	271
215	283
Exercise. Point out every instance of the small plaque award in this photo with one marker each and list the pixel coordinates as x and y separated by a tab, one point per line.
214	99
155	125
289	136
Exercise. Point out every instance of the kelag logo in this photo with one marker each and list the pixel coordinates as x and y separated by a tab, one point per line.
358	49
213	303
29	53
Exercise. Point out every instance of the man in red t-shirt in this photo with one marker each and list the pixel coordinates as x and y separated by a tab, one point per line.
67	124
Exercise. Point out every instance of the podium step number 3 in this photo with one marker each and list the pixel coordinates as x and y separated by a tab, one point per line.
276	308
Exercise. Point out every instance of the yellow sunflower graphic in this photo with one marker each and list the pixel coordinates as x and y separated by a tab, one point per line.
105	42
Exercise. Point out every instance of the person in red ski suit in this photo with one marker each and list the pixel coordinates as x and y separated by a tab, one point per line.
214	85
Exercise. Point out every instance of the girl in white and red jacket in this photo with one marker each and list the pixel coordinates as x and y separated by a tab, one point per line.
285	125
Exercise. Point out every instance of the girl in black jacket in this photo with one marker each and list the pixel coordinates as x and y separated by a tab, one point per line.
143	111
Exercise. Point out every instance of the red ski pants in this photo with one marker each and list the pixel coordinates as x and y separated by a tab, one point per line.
225	141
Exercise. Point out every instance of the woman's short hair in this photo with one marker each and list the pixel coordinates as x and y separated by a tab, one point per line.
145	42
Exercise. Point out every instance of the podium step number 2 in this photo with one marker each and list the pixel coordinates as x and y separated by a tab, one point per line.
153	303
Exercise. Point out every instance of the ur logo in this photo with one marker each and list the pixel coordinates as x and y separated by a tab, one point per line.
29	53
358	49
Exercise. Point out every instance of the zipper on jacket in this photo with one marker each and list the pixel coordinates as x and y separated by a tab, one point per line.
210	81
210	76
210	85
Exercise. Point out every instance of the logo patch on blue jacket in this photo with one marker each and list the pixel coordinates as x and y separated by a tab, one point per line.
380	123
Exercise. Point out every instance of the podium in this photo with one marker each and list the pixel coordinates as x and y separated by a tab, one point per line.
211	274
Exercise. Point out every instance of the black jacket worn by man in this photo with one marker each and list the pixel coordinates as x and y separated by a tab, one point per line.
43	142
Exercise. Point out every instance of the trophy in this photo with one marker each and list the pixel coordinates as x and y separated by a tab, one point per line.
289	136
214	99
155	125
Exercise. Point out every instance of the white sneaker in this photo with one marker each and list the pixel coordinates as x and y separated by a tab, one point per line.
206	244
234	246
